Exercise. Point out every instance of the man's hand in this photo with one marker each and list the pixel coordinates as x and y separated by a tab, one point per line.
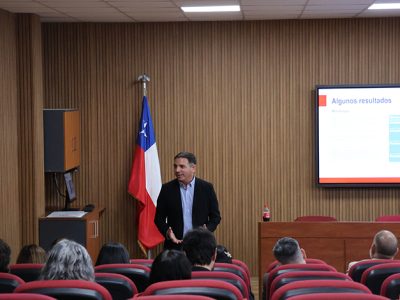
172	236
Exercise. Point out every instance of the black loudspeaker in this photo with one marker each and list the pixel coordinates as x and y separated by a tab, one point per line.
61	139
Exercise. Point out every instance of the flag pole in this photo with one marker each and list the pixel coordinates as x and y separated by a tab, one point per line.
144	79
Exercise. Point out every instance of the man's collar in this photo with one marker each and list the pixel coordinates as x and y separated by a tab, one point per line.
191	183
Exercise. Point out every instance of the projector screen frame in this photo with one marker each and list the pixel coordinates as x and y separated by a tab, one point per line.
317	129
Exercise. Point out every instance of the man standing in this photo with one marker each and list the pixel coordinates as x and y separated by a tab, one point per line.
184	203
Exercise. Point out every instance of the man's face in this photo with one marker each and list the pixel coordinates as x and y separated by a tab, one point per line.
184	171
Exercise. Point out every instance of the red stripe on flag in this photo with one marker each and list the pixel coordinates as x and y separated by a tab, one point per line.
137	182
148	233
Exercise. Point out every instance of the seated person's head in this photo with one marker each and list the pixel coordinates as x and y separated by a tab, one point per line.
200	246
170	265
223	255
113	253
5	253
68	260
288	251
384	245
31	254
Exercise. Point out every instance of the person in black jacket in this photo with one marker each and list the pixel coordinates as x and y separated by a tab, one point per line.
185	203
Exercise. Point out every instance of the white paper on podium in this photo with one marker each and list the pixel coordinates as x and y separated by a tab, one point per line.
67	214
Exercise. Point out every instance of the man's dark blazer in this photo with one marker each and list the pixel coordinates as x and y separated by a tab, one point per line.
169	209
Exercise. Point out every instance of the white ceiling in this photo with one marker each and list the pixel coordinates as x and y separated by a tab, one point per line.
169	10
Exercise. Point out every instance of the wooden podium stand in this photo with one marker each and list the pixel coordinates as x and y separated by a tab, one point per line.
84	230
337	243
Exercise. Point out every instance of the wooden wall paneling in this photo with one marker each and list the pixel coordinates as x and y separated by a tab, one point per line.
237	94
9	182
30	100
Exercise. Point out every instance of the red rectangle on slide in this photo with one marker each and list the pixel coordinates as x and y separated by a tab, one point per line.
322	100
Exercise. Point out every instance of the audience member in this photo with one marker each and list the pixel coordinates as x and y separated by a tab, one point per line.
223	255
68	260
113	253
384	246
288	251
31	254
170	265
200	246
5	254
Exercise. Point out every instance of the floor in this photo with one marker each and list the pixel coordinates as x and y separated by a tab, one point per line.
254	287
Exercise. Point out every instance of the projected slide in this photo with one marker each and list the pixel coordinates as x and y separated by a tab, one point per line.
358	135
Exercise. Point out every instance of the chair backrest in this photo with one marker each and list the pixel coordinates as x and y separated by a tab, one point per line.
358	268
315	219
119	286
224	276
27	296
27	272
211	288
139	274
374	276
391	287
275	263
9	282
318	286
66	289
289	277
235	269
243	265
390	218
142	261
294	267
174	297
335	296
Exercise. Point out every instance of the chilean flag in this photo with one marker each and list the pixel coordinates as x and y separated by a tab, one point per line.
145	182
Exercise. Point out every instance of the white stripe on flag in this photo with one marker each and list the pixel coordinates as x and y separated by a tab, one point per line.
153	174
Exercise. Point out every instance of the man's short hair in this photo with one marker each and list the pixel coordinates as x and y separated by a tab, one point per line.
287	251
5	253
386	244
189	156
199	245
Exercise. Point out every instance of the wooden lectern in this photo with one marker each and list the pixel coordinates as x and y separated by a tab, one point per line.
84	230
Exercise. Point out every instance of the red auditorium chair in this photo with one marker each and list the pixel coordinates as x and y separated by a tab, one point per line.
289	277
391	287
17	296
224	276
232	268
318	286
211	288
358	268
373	277
336	296
139	274
243	265
275	263
315	219
66	289
391	218
119	286
294	267
27	272
174	297
9	282
142	261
